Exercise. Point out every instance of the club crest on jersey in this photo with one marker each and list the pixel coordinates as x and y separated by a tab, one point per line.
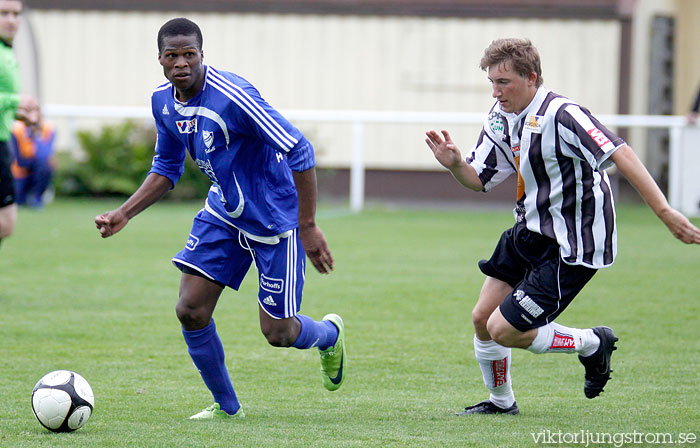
274	285
496	123
534	124
598	137
208	141
187	126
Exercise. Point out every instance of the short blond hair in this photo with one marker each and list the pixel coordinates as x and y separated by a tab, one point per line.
522	55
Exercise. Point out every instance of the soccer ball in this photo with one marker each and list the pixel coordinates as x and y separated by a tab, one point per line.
62	401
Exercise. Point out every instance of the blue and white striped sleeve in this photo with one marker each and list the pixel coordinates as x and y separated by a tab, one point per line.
270	126
301	157
253	113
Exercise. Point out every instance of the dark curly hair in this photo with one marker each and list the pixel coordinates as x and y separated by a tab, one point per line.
179	27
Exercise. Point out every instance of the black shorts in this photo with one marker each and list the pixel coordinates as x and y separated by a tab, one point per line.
543	284
7	182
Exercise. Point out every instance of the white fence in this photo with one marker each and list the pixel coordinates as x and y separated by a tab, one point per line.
684	153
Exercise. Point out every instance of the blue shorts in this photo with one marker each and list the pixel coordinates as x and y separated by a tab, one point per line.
221	253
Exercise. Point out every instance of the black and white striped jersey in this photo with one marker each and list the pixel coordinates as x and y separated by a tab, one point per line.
559	152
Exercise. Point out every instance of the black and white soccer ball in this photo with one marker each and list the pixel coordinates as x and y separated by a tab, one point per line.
62	401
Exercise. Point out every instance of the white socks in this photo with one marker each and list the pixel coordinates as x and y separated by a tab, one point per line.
494	361
558	338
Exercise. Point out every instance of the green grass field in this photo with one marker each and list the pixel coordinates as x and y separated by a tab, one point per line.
405	283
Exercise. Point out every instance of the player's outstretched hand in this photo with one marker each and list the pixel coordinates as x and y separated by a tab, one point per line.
445	151
680	226
316	248
111	222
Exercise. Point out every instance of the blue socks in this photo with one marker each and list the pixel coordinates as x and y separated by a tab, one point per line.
321	334
207	352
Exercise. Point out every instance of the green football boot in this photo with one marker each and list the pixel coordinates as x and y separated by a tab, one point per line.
214	412
333	361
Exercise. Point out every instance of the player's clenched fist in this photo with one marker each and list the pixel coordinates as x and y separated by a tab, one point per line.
111	222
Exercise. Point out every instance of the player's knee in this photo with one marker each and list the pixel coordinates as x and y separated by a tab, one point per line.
277	336
192	318
5	231
479	319
498	336
502	334
8	218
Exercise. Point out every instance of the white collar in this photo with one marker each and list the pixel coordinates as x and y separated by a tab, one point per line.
513	117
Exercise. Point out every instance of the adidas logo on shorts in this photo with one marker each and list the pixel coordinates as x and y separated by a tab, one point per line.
269	301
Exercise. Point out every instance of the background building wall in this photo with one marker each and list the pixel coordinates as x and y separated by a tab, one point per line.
330	62
686	69
688	54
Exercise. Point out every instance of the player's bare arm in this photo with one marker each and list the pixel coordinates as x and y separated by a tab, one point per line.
312	237
634	171
449	156
153	188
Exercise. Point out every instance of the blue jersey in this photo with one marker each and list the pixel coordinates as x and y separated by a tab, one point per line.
246	148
